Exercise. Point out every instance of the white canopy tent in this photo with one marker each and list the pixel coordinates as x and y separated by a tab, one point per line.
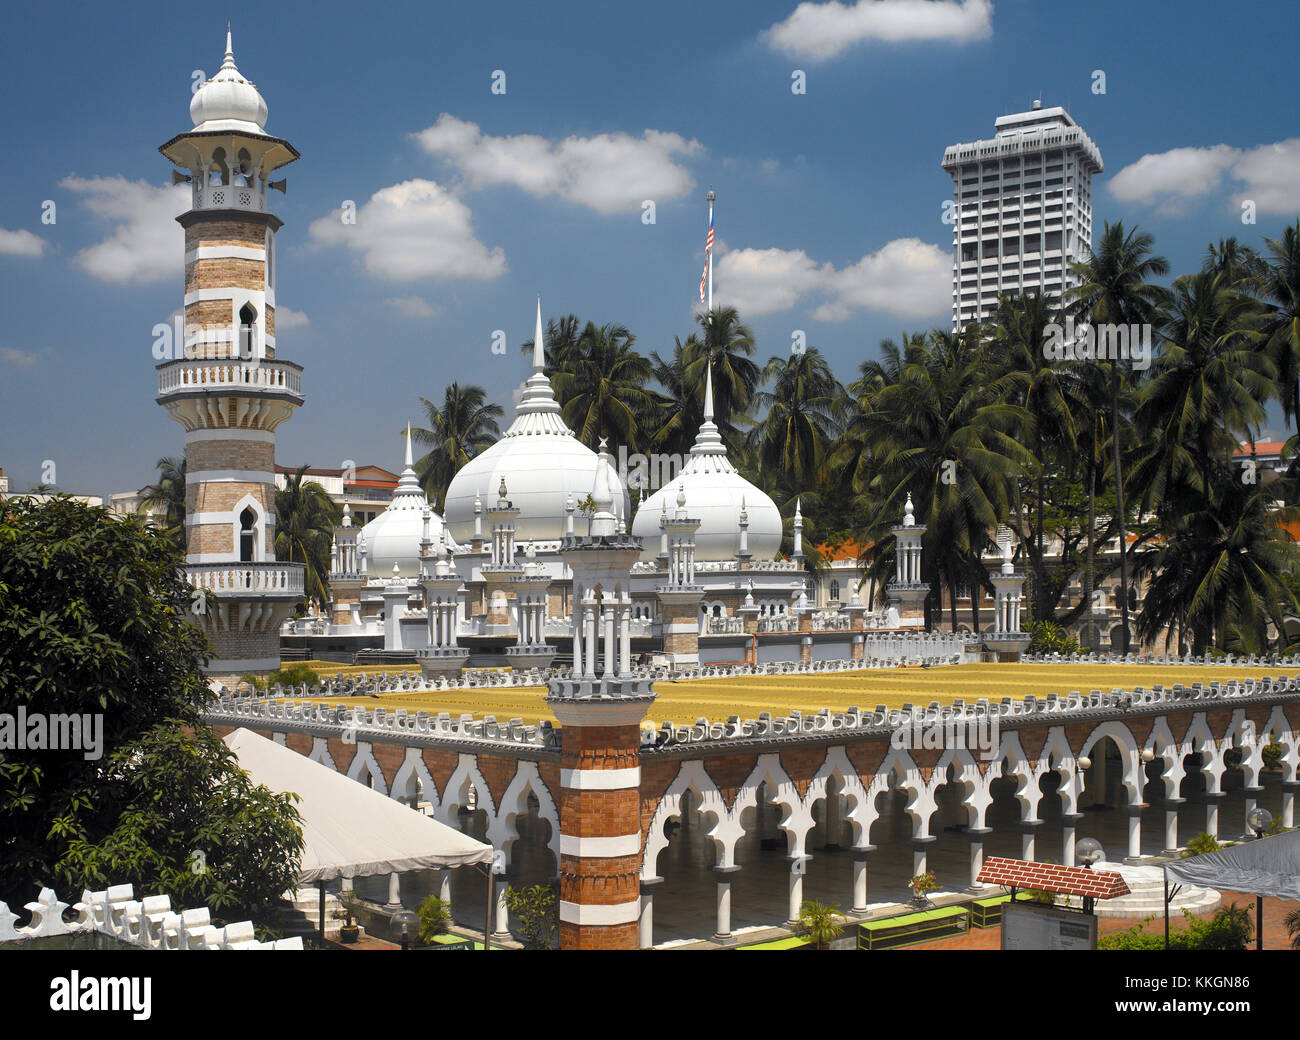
1264	867
348	829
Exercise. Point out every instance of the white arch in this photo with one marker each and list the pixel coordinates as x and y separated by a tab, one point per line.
1128	754
921	805
726	829
455	793
976	797
365	759
320	752
413	778
1057	746
1211	764
502	832
860	811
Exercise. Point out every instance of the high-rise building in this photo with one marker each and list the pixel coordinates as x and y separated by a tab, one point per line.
227	388
1022	209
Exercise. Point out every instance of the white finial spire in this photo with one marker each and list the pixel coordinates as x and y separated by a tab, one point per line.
229	61
708	388
798	516
909	519
408	445
539	341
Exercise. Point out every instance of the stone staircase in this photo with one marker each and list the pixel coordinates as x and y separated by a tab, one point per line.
302	916
1147	895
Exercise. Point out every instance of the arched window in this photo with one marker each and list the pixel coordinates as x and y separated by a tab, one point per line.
247	535
247	332
220	172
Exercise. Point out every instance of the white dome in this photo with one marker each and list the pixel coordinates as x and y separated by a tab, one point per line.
715	494
394	536
542	464
228	101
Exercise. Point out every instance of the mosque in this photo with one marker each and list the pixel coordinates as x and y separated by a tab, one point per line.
491	584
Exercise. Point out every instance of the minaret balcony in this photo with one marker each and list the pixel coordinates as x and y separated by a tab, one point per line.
269	579
201	376
230	196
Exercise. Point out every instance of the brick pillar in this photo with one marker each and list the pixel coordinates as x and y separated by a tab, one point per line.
600	819
805	647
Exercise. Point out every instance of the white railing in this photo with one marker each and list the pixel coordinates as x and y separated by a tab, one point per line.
247	577
218	373
716	626
230	196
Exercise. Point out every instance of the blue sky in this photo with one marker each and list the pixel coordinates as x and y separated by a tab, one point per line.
829	202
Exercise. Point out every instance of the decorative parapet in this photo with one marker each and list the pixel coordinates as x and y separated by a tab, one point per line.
149	923
826	726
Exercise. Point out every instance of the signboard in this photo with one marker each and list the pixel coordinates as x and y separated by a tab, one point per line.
1036	926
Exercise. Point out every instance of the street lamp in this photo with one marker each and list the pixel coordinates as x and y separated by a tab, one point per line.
405	925
1088	852
1259	820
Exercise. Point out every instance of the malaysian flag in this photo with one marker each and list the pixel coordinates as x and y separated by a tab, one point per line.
708	250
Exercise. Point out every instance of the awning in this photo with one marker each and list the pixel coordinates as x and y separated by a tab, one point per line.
348	829
1264	867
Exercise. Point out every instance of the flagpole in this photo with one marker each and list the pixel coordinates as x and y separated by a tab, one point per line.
710	197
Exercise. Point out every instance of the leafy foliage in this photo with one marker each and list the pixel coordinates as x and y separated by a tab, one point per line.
435	918
1229	929
1047	637
538	910
819	922
93	619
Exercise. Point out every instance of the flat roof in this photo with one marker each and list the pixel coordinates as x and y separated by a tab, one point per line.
684	701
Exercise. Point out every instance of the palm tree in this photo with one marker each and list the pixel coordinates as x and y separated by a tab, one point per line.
820	923
936	430
729	343
800	421
1207	390
562	335
1241	266
305	518
167	495
1281	327
1292	922
1114	289
1048	392
464	426
675	421
1221	567
603	387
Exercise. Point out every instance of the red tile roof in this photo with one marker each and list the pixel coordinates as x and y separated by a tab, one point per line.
1051	877
1261	448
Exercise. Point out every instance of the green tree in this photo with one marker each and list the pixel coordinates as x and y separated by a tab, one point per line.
461	427
167	496
435	918
305	518
1114	289
602	388
94	619
537	908
1280	288
799	424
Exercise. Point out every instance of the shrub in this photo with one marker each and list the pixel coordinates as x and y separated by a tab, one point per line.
818	922
1047	637
435	918
1229	929
538	911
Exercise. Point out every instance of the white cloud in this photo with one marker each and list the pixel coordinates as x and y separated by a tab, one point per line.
415	229
820	31
906	278
286	318
610	173
1268	175
412	307
21	358
1172	178
146	245
20	243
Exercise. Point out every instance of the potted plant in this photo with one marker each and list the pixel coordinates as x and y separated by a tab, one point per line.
818	921
435	919
922	885
348	906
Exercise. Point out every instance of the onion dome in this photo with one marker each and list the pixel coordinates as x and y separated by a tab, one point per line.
394	536
718	496
228	101
539	458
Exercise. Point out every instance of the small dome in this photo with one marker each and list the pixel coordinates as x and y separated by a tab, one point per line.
393	537
715	495
228	101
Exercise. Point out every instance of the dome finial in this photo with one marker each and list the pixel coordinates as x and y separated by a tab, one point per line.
408	444
539	341
708	388
909	519
229	61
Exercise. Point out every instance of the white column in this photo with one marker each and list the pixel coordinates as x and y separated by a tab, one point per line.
796	888
1134	831
1288	802
609	615
589	636
976	838
1171	824
1067	840
724	906
577	631
444	884
860	881
1212	813
646	923
501	930
394	889
625	636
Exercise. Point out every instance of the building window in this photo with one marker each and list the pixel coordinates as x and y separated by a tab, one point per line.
835	590
247	331
247	535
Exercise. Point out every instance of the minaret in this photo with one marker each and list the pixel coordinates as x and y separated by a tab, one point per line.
228	389
908	591
1006	639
